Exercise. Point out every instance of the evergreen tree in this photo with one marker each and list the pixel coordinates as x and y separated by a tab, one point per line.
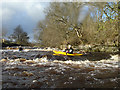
19	36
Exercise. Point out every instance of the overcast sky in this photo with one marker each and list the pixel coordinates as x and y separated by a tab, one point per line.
24	13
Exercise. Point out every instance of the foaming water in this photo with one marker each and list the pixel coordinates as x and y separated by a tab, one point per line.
46	73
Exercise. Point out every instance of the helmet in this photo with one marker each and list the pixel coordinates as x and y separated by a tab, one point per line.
69	46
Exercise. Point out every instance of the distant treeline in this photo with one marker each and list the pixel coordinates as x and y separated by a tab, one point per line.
10	44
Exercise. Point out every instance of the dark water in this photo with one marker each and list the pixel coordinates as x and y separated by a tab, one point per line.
93	56
43	70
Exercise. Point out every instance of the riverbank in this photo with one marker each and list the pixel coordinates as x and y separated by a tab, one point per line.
97	48
85	48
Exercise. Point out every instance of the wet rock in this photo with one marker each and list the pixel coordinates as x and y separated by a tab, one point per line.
22	59
25	73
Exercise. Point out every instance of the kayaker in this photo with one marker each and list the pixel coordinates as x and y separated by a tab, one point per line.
66	50
71	50
20	48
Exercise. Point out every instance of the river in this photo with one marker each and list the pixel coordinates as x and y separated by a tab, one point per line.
40	69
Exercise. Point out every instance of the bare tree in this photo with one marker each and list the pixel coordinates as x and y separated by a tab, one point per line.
79	23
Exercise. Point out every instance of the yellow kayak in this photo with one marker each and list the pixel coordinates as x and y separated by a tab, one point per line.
64	53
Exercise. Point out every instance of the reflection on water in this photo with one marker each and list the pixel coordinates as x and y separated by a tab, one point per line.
45	73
